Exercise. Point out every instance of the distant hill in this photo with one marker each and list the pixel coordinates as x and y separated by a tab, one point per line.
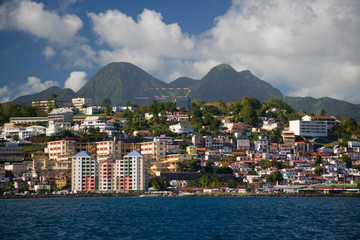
331	106
62	95
183	82
223	82
119	82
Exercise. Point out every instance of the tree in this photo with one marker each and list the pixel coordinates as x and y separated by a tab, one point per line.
318	171
194	165
318	160
276	176
106	102
248	115
159	183
224	170
232	183
209	167
346	159
322	112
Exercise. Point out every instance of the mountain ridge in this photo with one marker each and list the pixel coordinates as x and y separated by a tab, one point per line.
122	82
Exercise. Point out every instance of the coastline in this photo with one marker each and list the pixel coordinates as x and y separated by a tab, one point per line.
111	195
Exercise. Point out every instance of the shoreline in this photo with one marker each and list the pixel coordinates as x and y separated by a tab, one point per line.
112	195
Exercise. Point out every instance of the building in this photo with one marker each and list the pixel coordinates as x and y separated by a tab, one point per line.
106	150
27	120
61	150
131	173
192	150
10	152
182	128
46	105
81	103
288	138
106	175
61	115
330	121
312	126
153	151
96	122
243	144
83	173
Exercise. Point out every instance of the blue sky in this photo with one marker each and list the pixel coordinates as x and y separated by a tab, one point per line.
304	48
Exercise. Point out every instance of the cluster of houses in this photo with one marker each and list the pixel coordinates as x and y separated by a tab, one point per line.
126	164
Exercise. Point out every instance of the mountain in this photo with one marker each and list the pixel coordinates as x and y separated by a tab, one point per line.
331	106
223	82
62	95
119	82
183	82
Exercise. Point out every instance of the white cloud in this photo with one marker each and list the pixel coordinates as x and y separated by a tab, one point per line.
4	94
76	80
302	47
49	52
33	85
31	17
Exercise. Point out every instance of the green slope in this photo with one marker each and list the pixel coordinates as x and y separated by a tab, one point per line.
183	82
223	82
120	82
62	95
331	106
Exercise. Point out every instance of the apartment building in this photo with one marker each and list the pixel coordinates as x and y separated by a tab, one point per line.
106	175
312	126
81	103
131	173
288	137
61	149
83	173
153	151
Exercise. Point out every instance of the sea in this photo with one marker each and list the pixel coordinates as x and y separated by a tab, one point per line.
180	218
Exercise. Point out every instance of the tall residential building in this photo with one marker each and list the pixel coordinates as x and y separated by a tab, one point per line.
106	175
131	173
83	173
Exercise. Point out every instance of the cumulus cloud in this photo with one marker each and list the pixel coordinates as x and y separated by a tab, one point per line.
31	17
305	48
147	42
49	52
311	47
76	80
32	85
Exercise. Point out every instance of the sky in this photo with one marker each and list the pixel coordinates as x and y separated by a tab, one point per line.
304	47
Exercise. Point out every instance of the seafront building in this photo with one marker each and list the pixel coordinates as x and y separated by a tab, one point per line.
83	173
131	173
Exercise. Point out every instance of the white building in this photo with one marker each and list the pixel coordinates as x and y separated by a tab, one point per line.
312	126
182	128
96	122
61	115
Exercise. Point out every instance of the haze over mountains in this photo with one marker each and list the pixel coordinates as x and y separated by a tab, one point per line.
123	82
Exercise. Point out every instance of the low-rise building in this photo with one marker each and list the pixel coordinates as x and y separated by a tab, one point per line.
182	128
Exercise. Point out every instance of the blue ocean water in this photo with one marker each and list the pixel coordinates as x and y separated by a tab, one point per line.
180	218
